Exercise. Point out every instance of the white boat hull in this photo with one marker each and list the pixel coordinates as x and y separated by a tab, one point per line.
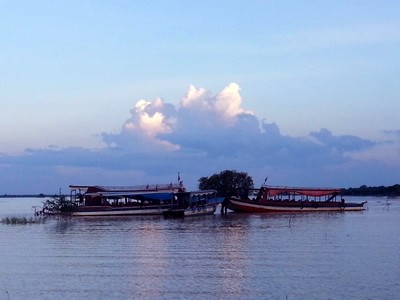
106	211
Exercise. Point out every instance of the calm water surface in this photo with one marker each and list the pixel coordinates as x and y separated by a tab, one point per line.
352	255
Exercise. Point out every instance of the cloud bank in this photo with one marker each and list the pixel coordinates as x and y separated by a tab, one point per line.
203	135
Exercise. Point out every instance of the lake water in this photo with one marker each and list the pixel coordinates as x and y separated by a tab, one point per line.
352	255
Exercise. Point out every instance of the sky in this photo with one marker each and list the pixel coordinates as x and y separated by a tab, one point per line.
133	92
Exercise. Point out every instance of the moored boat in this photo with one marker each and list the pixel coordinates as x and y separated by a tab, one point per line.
195	203
293	199
117	201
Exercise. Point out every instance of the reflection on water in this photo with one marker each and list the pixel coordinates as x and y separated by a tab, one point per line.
237	256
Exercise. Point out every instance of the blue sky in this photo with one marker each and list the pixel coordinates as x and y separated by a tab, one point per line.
131	92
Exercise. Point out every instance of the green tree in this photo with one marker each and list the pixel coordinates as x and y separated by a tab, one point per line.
228	183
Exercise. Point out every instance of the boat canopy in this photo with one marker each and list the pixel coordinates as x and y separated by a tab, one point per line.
313	192
125	190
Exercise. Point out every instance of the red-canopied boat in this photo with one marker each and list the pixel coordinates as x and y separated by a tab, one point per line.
293	199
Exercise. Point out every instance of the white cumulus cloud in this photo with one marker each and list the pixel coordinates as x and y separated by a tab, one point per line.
228	103
158	123
224	108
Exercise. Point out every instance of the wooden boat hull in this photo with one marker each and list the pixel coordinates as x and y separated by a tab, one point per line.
249	206
118	211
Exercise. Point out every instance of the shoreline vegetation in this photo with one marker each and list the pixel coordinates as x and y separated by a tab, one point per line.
13	220
30	195
388	191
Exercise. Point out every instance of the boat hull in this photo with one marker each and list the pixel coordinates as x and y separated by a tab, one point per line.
191	211
199	211
118	211
288	206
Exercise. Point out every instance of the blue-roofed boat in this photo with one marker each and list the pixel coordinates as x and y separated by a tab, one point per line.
117	200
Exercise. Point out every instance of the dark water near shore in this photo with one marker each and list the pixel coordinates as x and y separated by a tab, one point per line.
352	255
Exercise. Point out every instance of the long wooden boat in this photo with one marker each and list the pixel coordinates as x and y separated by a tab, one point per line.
293	199
195	203
117	201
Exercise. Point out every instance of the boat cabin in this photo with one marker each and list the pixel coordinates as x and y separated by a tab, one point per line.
124	196
194	198
277	193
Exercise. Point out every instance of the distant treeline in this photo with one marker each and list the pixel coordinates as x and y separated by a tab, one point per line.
390	191
27	196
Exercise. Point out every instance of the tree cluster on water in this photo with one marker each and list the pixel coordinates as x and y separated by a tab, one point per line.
228	183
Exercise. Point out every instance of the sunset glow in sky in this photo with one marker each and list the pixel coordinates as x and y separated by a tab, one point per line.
133	92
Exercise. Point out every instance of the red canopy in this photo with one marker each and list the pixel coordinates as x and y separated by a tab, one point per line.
314	192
